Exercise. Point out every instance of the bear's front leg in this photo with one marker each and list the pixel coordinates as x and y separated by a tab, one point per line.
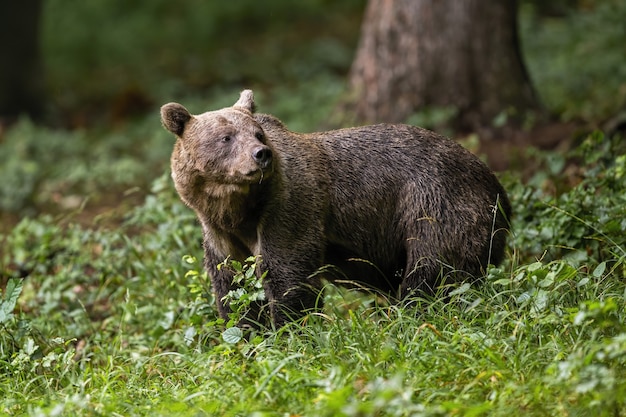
292	283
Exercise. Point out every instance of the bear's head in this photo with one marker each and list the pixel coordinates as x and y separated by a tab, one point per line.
218	152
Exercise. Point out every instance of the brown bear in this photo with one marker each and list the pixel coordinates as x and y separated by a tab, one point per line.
397	208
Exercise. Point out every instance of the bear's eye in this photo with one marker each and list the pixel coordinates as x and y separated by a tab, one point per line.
259	136
225	139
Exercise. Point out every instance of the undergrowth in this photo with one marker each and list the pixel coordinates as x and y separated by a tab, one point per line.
586	45
122	321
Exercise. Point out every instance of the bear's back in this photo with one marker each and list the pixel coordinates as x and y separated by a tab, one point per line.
383	159
377	179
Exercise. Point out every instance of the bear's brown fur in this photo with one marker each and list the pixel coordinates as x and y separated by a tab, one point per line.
417	206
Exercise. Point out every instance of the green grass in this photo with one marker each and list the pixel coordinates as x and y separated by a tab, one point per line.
118	321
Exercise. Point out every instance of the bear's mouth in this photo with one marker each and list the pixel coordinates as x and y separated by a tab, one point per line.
258	175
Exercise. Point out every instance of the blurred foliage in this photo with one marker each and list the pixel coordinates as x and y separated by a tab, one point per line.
42	166
111	60
126	56
576	60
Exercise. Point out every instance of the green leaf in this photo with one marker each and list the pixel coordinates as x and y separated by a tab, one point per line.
582	282
232	335
236	265
462	289
524	297
249	274
189	335
541	301
30	347
13	291
189	259
599	270
548	280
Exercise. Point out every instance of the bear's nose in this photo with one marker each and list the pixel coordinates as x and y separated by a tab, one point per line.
262	156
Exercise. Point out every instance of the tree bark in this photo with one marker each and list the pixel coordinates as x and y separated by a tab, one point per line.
21	84
464	54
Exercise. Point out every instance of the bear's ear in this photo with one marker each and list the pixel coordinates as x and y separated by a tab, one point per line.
246	101
174	118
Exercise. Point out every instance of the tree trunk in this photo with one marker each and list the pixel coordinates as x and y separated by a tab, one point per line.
21	84
441	53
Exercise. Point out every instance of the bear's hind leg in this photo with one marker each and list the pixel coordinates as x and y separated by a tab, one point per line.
423	276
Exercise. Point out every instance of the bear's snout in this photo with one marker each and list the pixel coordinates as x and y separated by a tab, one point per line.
262	155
